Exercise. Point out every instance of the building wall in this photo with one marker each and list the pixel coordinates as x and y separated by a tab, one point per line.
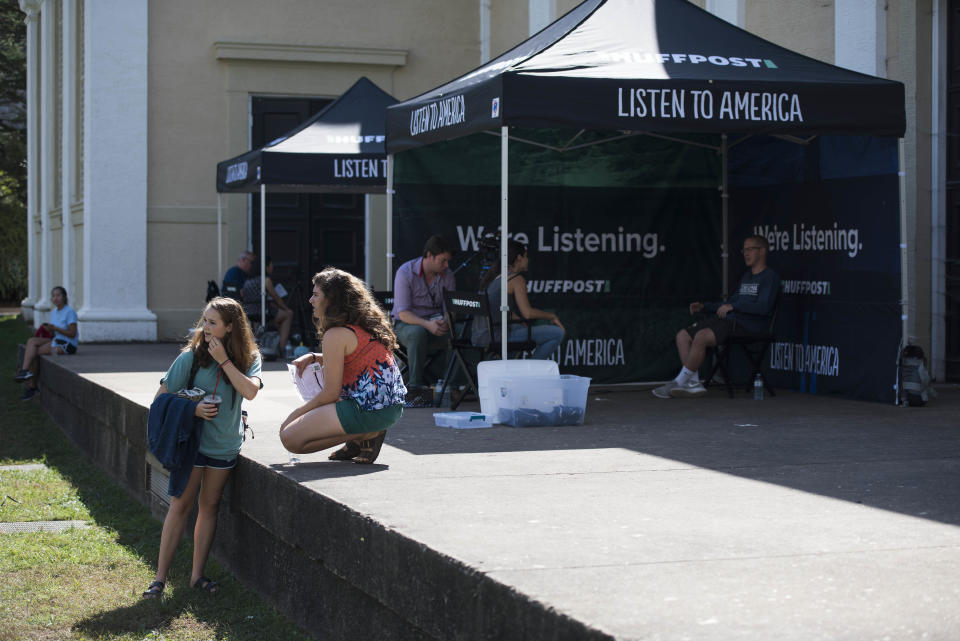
207	60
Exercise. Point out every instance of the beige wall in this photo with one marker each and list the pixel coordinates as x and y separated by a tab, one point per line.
805	26
200	96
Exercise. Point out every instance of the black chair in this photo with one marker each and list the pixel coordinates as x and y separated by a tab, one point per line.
386	304
470	311
754	345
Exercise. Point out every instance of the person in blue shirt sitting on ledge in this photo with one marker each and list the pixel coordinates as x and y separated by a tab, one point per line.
747	311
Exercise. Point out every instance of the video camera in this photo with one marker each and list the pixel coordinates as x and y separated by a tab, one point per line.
489	248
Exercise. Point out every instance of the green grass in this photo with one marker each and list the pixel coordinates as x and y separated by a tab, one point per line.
86	583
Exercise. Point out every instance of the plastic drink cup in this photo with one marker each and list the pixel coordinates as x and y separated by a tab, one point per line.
213	399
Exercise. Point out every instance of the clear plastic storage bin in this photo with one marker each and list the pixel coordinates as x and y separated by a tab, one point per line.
491	373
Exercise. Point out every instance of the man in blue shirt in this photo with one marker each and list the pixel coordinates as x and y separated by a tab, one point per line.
237	275
747	311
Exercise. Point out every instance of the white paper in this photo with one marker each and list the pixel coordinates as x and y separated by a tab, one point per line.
281	292
311	383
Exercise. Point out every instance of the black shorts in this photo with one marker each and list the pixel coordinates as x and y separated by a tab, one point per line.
722	328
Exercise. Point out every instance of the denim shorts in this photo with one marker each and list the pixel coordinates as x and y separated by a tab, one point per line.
202	460
68	348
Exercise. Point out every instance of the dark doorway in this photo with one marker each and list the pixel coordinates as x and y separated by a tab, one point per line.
952	294
305	232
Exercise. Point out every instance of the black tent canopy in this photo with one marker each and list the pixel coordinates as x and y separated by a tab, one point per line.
645	67
339	149
650	65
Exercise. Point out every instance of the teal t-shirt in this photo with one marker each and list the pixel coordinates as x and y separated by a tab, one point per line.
222	436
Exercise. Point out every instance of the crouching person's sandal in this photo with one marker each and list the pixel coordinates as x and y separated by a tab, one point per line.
349	450
155	591
370	449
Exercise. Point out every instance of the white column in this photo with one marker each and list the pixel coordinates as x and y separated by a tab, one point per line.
115	173
32	9
733	11
541	13
68	149
860	36
484	31
938	192
48	94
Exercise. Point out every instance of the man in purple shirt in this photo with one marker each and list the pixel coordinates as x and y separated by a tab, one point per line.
418	304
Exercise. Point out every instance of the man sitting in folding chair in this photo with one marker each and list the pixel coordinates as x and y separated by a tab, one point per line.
746	312
418	306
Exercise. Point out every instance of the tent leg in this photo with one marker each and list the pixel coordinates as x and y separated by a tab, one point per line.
263	257
504	219
904	267
389	222
367	275
724	198
219	237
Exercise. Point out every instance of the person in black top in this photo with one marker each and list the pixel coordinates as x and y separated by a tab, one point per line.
747	311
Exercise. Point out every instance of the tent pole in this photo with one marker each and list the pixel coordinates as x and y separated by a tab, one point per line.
219	237
904	272
367	272
504	218
724	197
389	286
263	258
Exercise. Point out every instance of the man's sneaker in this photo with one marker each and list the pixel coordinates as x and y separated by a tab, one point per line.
690	388
22	375
664	390
28	393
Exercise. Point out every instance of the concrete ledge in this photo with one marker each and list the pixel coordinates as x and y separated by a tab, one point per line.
336	572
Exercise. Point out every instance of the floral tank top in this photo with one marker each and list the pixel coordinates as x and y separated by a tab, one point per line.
370	374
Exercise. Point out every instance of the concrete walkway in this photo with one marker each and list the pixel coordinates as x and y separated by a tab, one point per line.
797	517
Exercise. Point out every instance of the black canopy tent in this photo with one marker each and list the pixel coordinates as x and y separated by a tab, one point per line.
340	149
645	67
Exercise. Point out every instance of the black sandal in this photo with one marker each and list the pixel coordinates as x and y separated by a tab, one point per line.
370	449
349	450
155	591
206	584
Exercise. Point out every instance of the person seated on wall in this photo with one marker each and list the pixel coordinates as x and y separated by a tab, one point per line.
747	311
418	306
237	275
56	337
277	310
547	337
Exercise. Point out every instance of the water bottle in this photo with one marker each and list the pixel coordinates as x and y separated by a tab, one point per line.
441	401
758	388
288	351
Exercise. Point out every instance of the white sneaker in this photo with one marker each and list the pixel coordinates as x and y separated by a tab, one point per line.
689	389
664	390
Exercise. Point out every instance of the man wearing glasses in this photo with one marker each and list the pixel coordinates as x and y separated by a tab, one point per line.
747	311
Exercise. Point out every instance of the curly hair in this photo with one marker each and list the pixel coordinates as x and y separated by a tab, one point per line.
239	343
349	302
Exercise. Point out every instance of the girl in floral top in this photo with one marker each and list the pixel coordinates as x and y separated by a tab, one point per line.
362	393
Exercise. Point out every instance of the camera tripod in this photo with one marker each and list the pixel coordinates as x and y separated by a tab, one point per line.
302	312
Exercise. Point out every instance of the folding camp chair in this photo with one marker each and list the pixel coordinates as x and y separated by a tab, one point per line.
471	312
386	303
755	346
